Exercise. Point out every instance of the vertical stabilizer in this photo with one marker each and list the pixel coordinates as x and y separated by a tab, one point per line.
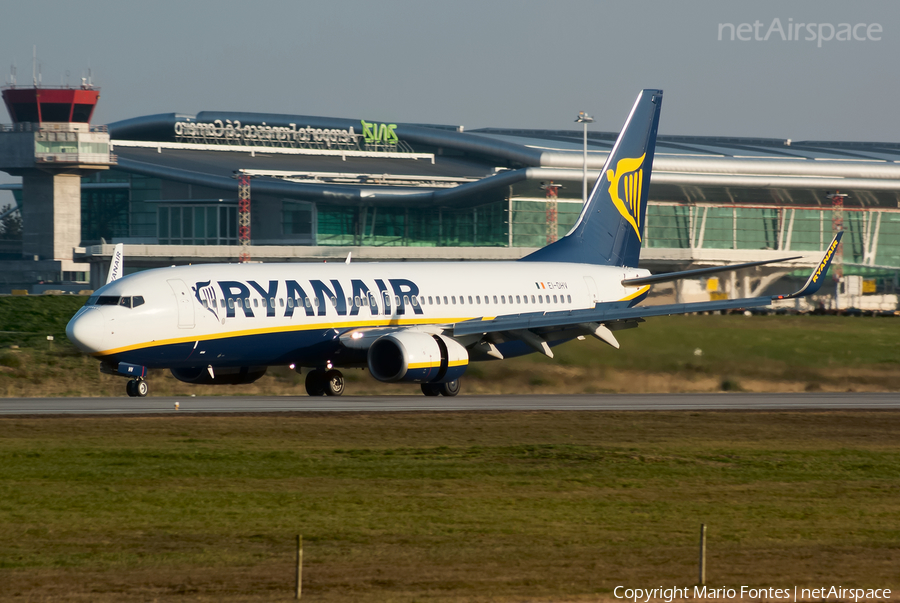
610	229
115	265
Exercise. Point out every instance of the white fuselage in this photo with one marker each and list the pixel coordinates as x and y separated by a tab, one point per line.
233	314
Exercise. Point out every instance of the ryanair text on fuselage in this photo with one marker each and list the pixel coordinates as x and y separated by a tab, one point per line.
285	297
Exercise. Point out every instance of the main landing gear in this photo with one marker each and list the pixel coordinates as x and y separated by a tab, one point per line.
137	388
451	388
324	383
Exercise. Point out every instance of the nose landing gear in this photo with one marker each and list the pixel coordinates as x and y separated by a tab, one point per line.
137	388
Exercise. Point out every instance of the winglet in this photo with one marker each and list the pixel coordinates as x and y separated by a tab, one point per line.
816	279
115	266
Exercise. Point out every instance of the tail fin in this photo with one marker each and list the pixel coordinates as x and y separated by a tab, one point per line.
610	228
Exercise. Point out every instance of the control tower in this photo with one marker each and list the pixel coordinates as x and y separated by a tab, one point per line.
51	145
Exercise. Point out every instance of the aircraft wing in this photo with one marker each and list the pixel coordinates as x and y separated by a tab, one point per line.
611	313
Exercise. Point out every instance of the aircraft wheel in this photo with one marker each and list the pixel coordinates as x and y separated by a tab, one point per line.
431	389
315	383
130	388
451	388
141	388
334	383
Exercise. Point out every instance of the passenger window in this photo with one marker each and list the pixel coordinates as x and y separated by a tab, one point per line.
569	298
554	299
477	299
204	303
445	300
290	303
255	303
415	300
470	299
281	301
231	304
306	302
453	298
462	300
518	300
540	299
138	300
532	299
221	303
438	298
429	300
396	300
525	298
502	299
356	301
495	299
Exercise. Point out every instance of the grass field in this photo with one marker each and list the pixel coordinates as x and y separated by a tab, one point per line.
757	353
491	506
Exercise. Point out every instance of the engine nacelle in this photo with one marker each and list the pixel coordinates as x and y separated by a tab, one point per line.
232	375
417	357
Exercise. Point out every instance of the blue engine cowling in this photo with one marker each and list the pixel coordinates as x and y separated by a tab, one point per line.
417	357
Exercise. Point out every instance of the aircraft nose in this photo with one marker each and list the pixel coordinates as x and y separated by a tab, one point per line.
86	330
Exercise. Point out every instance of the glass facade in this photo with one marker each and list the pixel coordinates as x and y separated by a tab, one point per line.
298	220
185	224
481	226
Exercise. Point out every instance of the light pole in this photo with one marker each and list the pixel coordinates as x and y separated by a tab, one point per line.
584	119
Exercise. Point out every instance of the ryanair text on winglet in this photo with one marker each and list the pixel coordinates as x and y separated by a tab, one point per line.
825	260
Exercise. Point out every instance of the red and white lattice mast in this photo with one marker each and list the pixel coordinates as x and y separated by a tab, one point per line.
552	211
837	225
244	217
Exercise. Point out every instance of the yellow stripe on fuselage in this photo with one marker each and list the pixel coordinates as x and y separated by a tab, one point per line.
637	293
390	322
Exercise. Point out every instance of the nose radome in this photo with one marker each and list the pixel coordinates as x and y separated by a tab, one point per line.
86	331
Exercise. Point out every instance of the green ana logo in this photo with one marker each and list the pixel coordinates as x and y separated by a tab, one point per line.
379	133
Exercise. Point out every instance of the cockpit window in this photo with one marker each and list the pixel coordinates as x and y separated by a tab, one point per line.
115	300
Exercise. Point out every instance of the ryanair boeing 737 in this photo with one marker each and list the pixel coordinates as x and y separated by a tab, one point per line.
406	322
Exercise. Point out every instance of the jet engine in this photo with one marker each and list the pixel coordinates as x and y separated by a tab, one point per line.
232	375
417	357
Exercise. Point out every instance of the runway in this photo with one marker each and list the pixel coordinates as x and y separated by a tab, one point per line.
598	402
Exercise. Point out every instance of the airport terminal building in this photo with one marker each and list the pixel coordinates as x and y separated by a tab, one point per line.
171	188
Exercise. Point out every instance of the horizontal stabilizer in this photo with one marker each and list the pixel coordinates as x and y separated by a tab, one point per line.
677	276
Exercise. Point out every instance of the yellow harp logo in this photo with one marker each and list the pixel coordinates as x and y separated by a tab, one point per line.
630	172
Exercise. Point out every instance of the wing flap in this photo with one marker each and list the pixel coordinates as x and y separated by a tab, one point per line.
677	276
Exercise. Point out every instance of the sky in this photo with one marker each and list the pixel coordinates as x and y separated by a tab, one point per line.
479	63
